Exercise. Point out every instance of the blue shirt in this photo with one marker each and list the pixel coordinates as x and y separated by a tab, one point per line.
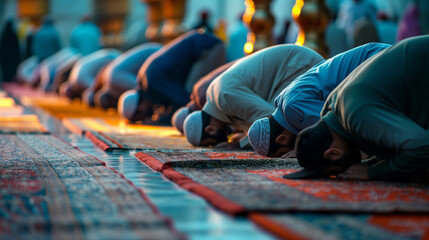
299	105
165	72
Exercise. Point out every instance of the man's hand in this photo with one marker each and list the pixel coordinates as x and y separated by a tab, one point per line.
290	154
237	136
229	146
355	172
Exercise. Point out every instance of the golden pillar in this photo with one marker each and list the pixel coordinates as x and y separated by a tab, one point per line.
260	21
313	17
110	17
173	12
33	9
154	19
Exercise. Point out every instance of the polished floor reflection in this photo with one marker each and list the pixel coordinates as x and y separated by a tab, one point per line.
191	214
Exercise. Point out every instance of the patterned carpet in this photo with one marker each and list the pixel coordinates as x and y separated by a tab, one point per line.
116	125
50	189
241	186
126	141
345	226
20	124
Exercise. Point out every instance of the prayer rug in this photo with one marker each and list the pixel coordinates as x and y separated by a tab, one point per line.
116	125
110	141
344	226
49	189
243	186
59	107
21	124
164	160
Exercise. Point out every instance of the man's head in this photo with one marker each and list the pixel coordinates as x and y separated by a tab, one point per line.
269	138
88	97
179	117
203	130
105	100
323	153
133	106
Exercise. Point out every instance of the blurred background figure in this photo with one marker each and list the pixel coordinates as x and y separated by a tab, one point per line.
84	72
26	70
26	31
46	41
86	37
204	21
135	35
409	25
365	32
350	12
119	76
237	37
9	51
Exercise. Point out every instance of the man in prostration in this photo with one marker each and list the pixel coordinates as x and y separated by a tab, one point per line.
198	97
165	80
118	76
381	109
85	70
246	92
298	106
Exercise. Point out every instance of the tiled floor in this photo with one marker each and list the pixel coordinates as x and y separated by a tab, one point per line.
191	214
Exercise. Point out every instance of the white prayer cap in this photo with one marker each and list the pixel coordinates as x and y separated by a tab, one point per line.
88	97
103	99
64	90
193	128
259	136
179	117
128	104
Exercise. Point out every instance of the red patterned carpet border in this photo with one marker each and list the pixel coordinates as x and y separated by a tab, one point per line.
240	186
317	226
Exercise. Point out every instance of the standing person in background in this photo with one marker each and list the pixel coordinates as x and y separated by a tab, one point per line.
47	40
237	37
86	37
9	51
409	25
350	12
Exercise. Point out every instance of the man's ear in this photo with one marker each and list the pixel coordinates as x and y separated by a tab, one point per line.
210	129
283	139
333	153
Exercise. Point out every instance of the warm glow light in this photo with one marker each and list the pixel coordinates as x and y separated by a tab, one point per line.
21	118
95	125
7	102
300	39
124	127
296	10
248	48
250	10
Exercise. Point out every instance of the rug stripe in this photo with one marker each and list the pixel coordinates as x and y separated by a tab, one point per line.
84	198
275	228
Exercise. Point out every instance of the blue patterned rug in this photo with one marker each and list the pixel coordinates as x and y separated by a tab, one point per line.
49	189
